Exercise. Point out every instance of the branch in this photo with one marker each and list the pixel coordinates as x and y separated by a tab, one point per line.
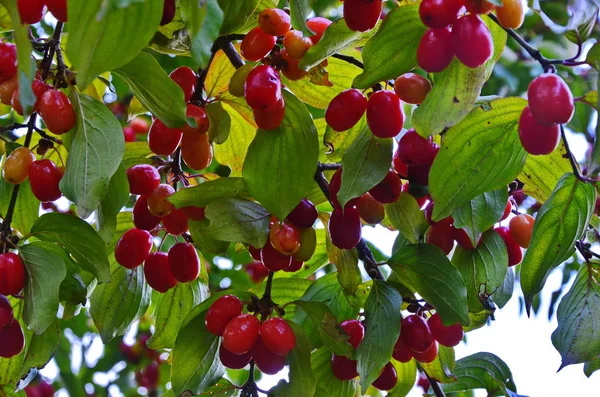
349	59
574	164
224	43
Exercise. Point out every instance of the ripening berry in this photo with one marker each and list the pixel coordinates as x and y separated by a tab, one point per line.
388	190
472	41
413	149
199	116
139	126
304	214
535	137
317	25
362	15
185	78
12	339
163	140
7	89
355	330
308	245
57	111
8	60
296	44
550	99
6	312
401	352
194	213
196	150
39	89
387	378
17	165
436	50
439	13
511	14
442	236
412	88
157	200
271	117
238	80
274	21
345	228
142	218
507	210
521	228
515	254
277	336
176	223
133	248
30	11
267	361
285	237
479	6
416	333
58	8
346	109
241	333
449	336
290	67
257	44
143	179
44	178
221	312
184	262
157	272
234	361
263	88
168	14
273	259
343	368
370	210
428	355
385	116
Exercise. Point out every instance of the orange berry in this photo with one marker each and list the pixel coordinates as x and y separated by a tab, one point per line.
521	228
17	165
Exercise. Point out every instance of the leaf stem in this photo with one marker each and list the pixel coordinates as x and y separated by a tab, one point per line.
349	59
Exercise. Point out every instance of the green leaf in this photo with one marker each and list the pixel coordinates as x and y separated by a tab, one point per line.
560	222
406	216
115	305
441	368
302	380
196	365
281	163
424	269
203	240
327	384
365	164
591	366
456	90
78	238
112	204
346	263
481	213
171	309
95	154
300	10
577	336
483	269
336	144
26	210
136	153
101	40
332	336
233	152
220	122
238	220
482	371
407	373
45	273
205	193
392	51
382	312
203	21
151	85
590	98
541	173
236	13
481	153
505	292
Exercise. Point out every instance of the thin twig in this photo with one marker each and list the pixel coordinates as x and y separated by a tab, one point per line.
349	59
574	164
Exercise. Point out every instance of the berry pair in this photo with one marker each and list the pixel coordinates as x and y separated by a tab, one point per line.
32	11
258	42
245	338
414	157
12	281
137	126
550	103
263	93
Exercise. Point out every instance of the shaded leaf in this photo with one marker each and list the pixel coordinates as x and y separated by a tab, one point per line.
406	216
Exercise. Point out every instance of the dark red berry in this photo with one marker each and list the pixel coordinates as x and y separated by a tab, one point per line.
8	60
449	336
162	139
413	149
535	137
271	117
176	223
388	190
346	109
427	356
304	214
355	330
30	11
343	368
58	8
401	352
273	259
334	188
294	266
143	179
185	78
423	382
142	218
550	99
428	212
157	272
515	254
45	177
221	312
442	236
199	116
12	339
362	15
257	271
345	228
194	213
416	334
262	89
387	378
436	50
385	116
57	111
267	361
472	41
507	210
277	336
463	239
168	14
234	361
184	262
12	270
133	248
439	13
257	44
6	312
241	334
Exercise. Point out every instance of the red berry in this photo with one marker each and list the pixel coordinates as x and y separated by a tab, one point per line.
133	248
221	312
388	190
234	361
296	44
416	192
128	134
58	8
57	111
413	149
44	177
521	229
384	114
515	254
168	14
30	11
401	352
346	109
550	99
175	223
267	362
157	272
274	21
441	236
6	312
199	116
463	239
257	44
428	212
184	262
277	336
142	218
7	89
415	333
479	6
257	271
270	118
399	166
273	259
158	205
262	88
143	179
317	25
535	137
241	334
427	356
139	126
334	188
285	237
194	213
196	150
387	378
436	51
472	40
362	15
412	88
295	265
290	67
355	330
254	253
423	382
185	78
370	210
39	89
8	60
439	13
345	228
12	272
507	210
12	339
162	139
304	214
343	368
449	336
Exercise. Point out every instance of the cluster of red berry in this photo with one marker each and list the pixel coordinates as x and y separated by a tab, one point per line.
41	389
291	242
32	11
12	281
550	103
245	338
137	126
147	376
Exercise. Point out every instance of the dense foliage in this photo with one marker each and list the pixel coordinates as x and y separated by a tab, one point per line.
188	180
